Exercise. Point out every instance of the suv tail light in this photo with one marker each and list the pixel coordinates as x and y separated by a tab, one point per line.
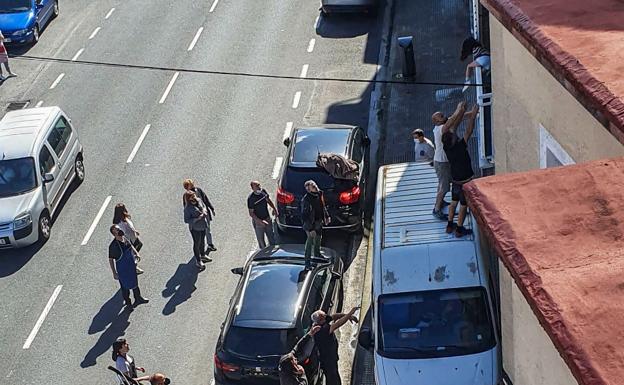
224	366
351	196
284	196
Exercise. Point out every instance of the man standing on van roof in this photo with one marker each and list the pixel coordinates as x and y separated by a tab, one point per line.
441	163
456	150
423	148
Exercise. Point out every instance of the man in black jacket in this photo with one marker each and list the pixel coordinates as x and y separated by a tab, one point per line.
290	372
189	185
313	215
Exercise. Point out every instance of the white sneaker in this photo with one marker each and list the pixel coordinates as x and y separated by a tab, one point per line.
139	270
206	258
200	265
12	75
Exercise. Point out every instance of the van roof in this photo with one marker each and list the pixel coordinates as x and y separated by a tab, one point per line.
19	130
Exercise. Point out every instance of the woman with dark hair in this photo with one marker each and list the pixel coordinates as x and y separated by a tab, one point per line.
123	361
122	218
480	56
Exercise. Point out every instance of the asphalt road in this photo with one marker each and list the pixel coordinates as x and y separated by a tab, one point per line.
221	130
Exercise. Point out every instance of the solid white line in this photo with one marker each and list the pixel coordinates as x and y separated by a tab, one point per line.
304	71
277	167
95	32
109	13
77	55
192	45
296	99
138	143
214	5
42	317
57	81
288	130
168	89
96	220
311	45
39	103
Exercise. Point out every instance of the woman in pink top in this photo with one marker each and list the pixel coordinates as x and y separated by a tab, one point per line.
4	59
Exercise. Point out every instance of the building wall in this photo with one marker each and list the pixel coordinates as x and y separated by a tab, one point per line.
525	96
529	357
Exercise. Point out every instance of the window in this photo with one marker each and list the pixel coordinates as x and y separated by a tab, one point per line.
311	142
17	176
315	298
59	137
551	152
358	152
253	342
46	161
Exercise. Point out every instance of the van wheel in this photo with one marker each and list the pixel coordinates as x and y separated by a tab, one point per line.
45	227
56	9
79	170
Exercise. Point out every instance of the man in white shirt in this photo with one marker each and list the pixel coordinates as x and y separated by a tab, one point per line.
423	148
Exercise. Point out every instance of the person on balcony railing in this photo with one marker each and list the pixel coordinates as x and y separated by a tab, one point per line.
480	56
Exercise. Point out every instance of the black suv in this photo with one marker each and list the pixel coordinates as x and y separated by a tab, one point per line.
270	310
344	198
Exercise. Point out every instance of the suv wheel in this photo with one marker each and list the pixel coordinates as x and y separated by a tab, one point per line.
45	227
79	170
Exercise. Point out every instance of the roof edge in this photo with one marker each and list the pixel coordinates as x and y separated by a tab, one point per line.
606	107
530	284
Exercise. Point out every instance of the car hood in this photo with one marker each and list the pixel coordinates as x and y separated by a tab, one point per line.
472	369
12	206
14	21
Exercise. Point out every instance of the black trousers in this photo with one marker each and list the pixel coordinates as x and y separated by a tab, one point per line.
126	294
199	243
332	377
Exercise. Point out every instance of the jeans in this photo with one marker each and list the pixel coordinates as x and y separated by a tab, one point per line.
199	243
313	242
262	230
126	294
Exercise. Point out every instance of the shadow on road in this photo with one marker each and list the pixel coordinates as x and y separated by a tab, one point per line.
108	315
180	286
342	26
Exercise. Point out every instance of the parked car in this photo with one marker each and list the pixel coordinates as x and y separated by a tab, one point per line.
40	157
270	310
348	6
21	21
344	199
434	313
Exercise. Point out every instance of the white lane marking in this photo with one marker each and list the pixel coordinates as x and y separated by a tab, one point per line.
317	22
42	317
277	166
214	5
168	89
304	71
39	103
138	143
57	81
192	45
77	55
95	32
296	99
109	13
311	45
95	221
288	130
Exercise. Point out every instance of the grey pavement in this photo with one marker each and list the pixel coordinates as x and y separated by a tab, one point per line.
222	131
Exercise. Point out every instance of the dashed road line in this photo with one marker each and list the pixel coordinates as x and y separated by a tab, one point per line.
138	143
57	81
287	130
304	71
109	13
39	103
42	317
311	45
296	99
168	89
77	55
192	45
87	236
95	32
214	5
277	167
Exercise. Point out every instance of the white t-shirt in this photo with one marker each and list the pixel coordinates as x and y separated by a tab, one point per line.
128	228
124	364
440	155
423	151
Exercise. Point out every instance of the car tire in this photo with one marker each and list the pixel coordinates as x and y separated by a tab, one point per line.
44	226
79	170
56	9
35	35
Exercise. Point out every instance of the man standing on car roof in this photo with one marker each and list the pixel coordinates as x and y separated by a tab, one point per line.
313	215
327	343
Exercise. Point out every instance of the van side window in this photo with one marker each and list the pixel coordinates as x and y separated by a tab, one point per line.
59	136
315	298
46	161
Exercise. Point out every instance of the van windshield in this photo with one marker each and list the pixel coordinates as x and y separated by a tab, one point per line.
17	176
438	323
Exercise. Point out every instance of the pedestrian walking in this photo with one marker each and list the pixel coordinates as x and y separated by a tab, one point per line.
122	218
124	362
327	343
423	148
258	203
4	59
290	372
196	216
189	185
122	259
461	170
314	215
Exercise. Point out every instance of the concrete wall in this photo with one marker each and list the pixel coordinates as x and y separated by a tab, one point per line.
529	357
525	96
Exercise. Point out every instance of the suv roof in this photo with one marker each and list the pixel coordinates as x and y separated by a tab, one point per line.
322	139
19	130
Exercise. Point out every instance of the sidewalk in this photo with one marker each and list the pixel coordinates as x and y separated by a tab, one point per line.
438	29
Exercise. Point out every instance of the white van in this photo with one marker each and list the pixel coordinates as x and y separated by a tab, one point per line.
40	156
433	319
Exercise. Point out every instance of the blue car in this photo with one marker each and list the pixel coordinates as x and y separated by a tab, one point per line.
21	21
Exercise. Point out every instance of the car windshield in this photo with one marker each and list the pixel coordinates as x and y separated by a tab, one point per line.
12	6
438	323
253	342
17	176
309	143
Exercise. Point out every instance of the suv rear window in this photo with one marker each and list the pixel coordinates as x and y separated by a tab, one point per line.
252	342
309	143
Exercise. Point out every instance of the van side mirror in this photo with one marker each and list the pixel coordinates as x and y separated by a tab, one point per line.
365	338
287	142
237	270
48	177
